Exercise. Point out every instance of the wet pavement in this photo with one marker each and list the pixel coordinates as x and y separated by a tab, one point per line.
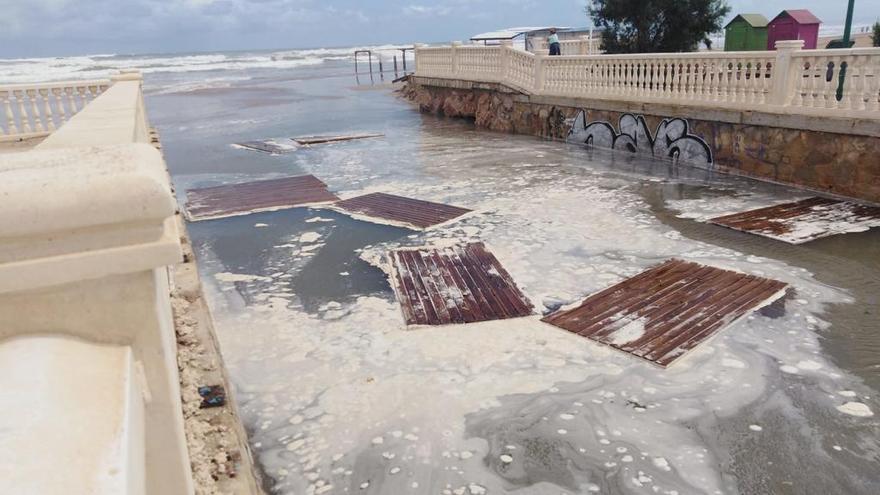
340	397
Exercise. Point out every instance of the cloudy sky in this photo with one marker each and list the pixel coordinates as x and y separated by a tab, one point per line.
73	27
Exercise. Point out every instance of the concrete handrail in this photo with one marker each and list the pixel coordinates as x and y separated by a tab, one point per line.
787	80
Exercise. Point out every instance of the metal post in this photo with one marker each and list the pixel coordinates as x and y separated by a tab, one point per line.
847	29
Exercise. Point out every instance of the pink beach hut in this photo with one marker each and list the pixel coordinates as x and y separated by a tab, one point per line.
798	24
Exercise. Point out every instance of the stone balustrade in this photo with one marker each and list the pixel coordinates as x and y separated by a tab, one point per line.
91	393
788	80
36	110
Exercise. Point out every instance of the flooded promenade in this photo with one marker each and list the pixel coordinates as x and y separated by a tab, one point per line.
339	396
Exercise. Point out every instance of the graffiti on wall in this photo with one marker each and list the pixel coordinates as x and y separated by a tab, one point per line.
671	140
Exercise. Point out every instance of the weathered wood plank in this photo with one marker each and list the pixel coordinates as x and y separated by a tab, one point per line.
269	146
251	197
398	210
461	284
667	310
310	140
803	221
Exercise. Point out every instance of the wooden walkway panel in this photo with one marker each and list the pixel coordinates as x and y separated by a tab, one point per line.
267	147
251	197
461	284
398	210
667	310
310	140
805	220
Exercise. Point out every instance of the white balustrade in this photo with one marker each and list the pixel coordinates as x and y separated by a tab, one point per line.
789	79
582	46
36	110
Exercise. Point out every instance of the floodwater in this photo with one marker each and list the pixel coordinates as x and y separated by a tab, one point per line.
338	396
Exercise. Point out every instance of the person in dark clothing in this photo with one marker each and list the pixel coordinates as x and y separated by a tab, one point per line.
553	41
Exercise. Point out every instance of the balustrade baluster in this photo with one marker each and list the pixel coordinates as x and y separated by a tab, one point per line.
59	104
35	110
22	112
11	128
699	68
47	109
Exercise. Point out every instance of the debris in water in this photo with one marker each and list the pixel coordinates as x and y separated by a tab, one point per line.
310	140
665	311
251	197
399	210
452	285
805	220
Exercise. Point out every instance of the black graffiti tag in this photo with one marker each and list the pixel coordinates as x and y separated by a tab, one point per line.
672	139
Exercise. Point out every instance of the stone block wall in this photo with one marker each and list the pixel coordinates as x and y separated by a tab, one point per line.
836	156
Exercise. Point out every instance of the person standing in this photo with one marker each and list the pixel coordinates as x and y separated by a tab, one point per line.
553	41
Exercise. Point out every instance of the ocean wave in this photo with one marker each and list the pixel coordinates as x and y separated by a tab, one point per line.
103	65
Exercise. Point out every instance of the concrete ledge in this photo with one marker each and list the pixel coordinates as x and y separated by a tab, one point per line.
80	213
82	399
837	125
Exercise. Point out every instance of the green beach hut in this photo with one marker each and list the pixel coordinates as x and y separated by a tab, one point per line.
746	32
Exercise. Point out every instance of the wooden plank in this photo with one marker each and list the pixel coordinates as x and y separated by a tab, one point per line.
803	221
268	146
398	210
665	311
250	197
310	140
460	284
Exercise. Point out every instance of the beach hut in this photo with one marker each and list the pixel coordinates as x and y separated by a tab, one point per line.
798	24
746	32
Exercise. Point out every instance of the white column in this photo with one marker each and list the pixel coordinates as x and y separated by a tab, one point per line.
455	50
416	48
506	47
585	45
785	72
539	72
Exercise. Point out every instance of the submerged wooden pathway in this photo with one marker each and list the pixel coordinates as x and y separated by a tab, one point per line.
461	284
270	147
803	221
250	197
667	310
388	208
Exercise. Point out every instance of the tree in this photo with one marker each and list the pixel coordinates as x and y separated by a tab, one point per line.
639	26
875	37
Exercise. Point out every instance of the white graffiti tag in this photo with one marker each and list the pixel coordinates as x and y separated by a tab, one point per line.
671	140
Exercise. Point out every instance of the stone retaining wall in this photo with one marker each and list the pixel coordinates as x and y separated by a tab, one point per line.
833	155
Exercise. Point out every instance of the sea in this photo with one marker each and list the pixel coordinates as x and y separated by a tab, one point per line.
338	395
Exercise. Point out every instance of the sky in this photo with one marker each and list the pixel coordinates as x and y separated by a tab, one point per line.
34	28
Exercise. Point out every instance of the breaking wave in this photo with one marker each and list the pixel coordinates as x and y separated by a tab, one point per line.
26	70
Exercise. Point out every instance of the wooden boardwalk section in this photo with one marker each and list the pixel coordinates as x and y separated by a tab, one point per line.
270	147
461	284
310	140
803	221
665	311
398	210
251	197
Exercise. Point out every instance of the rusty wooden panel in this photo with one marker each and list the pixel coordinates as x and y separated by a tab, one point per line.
460	284
310	140
267	147
250	197
398	210
803	221
667	310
